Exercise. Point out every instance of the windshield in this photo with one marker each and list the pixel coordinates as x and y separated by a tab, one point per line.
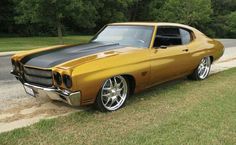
135	36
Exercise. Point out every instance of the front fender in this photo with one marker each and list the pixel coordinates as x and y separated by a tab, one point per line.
90	83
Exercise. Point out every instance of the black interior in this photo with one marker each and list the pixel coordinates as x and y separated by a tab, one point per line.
167	36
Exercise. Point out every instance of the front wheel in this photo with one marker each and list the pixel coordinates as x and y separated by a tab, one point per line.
113	94
202	71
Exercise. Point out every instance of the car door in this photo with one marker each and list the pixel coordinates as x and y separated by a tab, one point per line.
169	57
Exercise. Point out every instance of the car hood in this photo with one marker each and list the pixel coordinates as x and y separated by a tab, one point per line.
54	57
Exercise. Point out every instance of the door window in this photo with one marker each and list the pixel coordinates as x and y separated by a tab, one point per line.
172	36
167	37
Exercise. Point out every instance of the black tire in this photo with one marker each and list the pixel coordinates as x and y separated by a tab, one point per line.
99	103
196	75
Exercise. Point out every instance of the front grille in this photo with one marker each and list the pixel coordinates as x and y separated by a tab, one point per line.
38	76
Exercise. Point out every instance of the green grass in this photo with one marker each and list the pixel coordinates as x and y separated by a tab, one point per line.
178	112
26	43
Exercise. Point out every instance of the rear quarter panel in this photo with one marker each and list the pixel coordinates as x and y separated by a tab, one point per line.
202	47
218	49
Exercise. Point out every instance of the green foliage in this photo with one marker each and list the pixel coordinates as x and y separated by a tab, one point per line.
113	11
223	7
6	13
50	17
191	12
54	12
222	24
231	24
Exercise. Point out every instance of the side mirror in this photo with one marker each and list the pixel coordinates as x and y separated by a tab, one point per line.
163	47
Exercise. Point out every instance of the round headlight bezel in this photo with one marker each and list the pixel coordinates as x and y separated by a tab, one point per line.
67	80
58	78
17	66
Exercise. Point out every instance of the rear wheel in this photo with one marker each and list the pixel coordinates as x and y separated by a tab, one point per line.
202	71
113	94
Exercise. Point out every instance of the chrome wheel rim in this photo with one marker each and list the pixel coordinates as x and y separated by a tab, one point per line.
204	68
114	93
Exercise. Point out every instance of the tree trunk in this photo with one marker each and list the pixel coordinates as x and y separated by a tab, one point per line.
59	32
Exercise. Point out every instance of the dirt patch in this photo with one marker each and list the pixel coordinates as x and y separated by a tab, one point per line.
25	112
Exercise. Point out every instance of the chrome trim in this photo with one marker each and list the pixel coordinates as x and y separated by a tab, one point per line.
37	76
71	98
38	72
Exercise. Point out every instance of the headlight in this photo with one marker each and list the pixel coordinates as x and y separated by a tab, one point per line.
15	65
13	62
57	78
67	81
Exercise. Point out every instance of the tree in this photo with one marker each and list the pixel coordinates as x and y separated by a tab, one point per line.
192	12
113	11
139	10
6	16
54	12
57	17
231	24
223	7
222	18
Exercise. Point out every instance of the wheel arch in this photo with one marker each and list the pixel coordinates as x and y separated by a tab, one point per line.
131	81
212	59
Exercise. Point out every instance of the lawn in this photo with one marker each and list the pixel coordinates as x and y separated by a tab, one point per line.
179	112
26	43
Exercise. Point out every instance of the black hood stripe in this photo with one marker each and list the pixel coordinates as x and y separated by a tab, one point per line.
51	58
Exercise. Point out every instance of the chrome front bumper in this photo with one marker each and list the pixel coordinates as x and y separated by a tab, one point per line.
71	98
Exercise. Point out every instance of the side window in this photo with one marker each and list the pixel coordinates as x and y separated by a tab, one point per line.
167	36
185	36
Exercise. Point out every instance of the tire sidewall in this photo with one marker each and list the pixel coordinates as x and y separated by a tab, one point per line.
98	101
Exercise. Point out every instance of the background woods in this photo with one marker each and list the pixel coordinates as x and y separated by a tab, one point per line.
216	18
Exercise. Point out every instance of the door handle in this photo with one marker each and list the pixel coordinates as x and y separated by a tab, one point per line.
186	50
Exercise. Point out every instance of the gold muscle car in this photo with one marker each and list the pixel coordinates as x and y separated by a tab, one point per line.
122	59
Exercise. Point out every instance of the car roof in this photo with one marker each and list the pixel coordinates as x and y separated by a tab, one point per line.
154	24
